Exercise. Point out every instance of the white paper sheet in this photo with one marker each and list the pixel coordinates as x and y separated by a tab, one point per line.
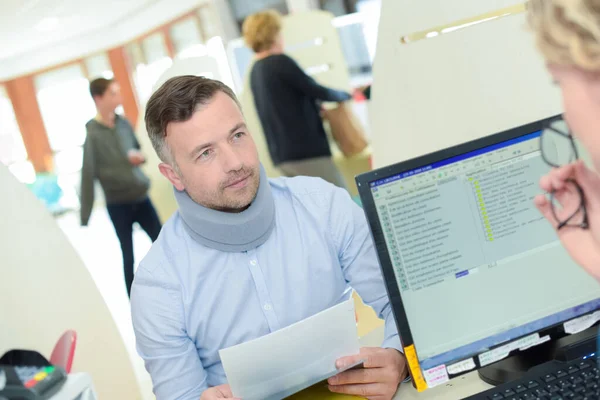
582	323
436	376
284	362
460	367
501	352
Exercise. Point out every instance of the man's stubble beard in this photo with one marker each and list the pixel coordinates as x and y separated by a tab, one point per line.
221	202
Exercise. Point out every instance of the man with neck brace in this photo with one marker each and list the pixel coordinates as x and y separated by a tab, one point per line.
245	255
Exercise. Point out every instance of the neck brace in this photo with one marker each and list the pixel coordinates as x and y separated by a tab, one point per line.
230	232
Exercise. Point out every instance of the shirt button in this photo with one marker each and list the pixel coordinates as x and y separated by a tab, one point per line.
253	262
268	307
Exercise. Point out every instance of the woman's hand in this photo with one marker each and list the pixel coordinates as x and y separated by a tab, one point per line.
583	245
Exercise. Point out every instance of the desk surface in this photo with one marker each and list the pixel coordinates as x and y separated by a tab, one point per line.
78	386
466	385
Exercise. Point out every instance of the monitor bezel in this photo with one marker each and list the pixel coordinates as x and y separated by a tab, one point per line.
363	182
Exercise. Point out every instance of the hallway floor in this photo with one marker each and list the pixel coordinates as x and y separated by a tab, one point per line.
98	246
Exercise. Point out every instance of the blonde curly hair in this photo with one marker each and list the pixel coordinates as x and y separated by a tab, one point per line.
260	30
567	31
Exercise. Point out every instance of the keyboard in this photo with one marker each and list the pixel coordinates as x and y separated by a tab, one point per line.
577	380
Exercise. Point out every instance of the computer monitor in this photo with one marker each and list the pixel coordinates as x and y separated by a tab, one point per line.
473	271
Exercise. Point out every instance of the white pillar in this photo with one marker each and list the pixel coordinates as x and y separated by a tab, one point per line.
229	27
302	5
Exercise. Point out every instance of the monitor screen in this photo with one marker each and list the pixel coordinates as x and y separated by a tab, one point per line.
474	262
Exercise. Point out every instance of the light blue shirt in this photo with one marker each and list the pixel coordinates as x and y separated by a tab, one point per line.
189	301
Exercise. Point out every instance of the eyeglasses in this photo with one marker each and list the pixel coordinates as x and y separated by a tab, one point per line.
558	149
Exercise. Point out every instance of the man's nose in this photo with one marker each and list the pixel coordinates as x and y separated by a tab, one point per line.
231	160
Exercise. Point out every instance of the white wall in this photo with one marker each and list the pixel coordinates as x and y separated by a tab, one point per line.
438	92
300	45
45	289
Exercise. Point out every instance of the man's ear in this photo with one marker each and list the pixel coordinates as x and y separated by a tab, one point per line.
169	172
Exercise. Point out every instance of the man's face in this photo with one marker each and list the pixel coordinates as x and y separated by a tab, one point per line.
111	98
216	158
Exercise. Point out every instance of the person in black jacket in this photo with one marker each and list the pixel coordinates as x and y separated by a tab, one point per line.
287	103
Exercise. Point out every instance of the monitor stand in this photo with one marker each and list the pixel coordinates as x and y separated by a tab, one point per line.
566	349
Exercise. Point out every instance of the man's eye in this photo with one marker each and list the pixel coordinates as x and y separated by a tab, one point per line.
205	154
238	135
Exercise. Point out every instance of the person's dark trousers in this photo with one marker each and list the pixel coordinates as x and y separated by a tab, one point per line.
123	216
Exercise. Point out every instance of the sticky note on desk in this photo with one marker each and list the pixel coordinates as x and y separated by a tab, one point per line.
294	358
321	392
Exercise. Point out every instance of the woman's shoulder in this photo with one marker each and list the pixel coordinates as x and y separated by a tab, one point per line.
274	61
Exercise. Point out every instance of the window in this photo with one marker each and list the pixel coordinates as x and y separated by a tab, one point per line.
98	66
66	106
12	150
351	30
187	38
370	11
208	21
150	59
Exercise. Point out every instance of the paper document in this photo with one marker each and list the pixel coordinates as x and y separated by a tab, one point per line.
296	357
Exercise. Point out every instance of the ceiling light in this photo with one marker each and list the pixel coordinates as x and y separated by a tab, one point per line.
47	24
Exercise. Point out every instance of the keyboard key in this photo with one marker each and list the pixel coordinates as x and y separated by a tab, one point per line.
549	378
496	396
572	369
30	384
556	398
528	396
508	393
552	388
590	384
561	373
576	380
520	389
579	389
583	365
532	384
578	398
540	392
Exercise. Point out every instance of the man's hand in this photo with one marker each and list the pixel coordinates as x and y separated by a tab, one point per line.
218	392
582	245
135	157
384	370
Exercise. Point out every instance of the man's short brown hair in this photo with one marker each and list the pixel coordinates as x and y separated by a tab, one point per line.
99	86
176	101
260	30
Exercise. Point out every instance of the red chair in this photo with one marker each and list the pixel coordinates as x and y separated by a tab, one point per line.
64	350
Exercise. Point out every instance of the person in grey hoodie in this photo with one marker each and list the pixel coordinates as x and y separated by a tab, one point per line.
111	154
